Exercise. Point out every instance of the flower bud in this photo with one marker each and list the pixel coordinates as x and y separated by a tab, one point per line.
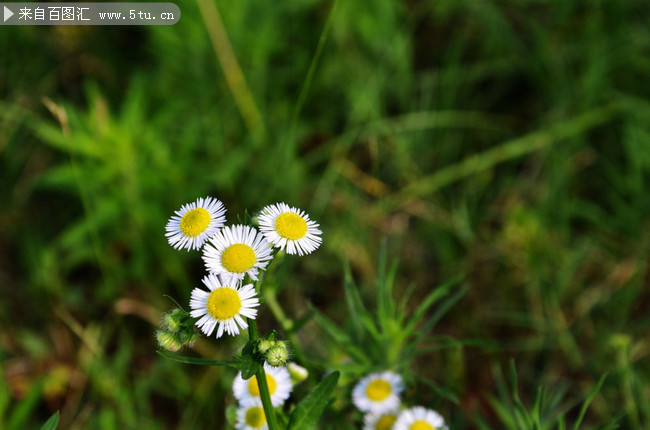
297	373
277	355
173	320
264	345
168	341
188	336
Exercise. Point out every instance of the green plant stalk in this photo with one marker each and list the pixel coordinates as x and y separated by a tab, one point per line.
261	382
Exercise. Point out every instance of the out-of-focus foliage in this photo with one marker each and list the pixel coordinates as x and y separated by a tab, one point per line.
506	142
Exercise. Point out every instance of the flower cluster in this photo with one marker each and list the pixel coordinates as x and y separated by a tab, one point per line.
227	304
232	253
378	396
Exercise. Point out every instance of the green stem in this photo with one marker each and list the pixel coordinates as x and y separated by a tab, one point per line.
261	382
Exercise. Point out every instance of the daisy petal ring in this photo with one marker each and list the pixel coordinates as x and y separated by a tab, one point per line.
195	223
378	392
237	251
277	379
289	228
419	418
223	307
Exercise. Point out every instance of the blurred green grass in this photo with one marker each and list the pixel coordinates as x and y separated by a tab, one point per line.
508	142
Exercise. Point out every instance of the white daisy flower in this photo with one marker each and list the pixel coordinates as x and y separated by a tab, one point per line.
224	306
250	416
378	392
290	228
419	418
195	223
236	251
382	421
278	380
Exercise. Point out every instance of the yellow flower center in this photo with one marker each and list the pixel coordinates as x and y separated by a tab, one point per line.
223	303
421	425
378	390
195	221
386	422
291	226
238	258
255	417
255	390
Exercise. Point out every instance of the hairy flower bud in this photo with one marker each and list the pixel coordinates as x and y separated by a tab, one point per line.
278	354
168	341
264	345
173	320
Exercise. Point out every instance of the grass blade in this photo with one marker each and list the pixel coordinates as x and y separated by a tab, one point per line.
588	400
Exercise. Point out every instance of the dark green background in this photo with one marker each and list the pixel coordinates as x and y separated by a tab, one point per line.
505	141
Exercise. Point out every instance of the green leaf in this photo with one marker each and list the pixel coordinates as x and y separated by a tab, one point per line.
249	361
52	422
198	360
309	410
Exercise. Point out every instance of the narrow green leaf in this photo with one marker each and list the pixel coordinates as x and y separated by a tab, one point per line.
442	310
441	391
382	288
358	312
503	411
198	360
612	423
340	337
297	325
429	301
52	422
352	300
588	400
173	300
309	410
520	410
536	408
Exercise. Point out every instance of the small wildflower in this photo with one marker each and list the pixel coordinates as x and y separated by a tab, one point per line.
289	228
277	379
195	223
278	354
223	307
378	392
379	421
297	373
250	416
236	251
419	418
